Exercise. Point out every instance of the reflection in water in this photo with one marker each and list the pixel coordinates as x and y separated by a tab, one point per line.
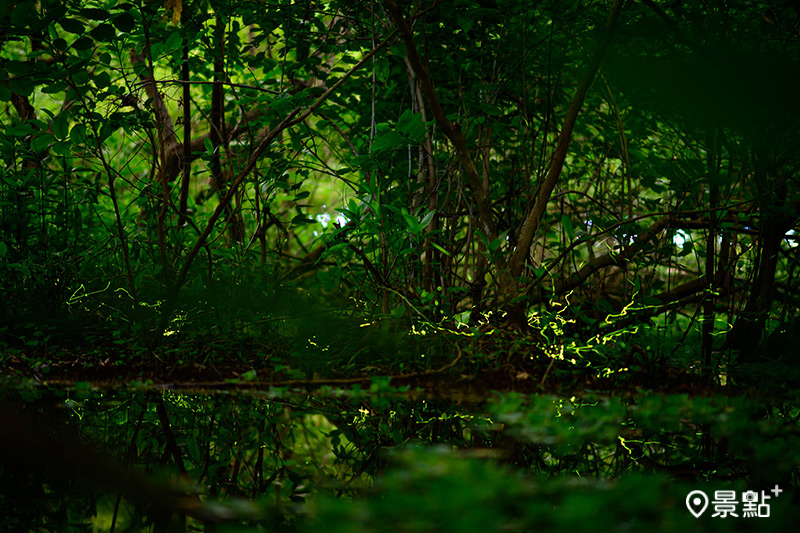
118	461
162	461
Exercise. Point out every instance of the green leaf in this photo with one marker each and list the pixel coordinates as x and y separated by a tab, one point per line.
78	134
445	252
124	22
336	247
104	33
568	227
41	142
72	25
209	145
302	219
55	11
60	127
59	44
84	43
155	50
21	130
411	222
360	160
61	148
106	130
3	249
349	215
21	86
94	14
102	80
604	305
465	20
23	14
411	125
194	450
388	140
174	41
427	218
19	68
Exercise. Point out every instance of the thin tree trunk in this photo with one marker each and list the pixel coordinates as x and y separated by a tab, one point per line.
707	339
534	218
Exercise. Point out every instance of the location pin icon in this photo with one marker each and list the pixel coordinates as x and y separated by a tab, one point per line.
697	502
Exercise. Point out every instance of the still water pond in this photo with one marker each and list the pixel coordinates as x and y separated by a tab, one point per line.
377	459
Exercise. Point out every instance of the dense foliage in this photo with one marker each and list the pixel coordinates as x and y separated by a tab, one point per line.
175	164
465	196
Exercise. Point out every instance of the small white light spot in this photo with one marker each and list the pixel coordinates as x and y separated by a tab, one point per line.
324	219
680	238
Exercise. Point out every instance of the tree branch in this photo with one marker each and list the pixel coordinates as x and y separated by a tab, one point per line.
534	218
480	195
609	259
294	117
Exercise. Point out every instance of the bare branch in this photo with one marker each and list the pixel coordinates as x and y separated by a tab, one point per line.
534	218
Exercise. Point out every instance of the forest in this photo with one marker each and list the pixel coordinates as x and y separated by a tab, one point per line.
370	265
